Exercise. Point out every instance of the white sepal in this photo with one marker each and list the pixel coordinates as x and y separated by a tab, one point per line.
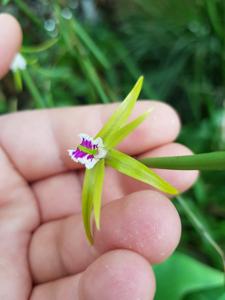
18	63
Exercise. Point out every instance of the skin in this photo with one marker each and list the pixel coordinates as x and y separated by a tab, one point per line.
43	251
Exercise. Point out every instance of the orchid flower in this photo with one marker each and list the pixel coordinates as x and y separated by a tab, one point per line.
17	66
18	63
98	152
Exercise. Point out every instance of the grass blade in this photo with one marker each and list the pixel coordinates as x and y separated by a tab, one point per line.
90	44
199	226
39	48
93	76
28	12
38	99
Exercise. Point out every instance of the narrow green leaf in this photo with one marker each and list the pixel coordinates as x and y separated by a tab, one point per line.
39	48
25	8
97	191
214	16
38	99
123	132
120	116
90	44
213	161
192	213
93	77
5	2
91	196
87	202
133	168
18	80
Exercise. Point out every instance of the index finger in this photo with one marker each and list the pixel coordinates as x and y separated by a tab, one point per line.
37	141
10	41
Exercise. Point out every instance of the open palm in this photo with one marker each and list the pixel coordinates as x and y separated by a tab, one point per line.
44	253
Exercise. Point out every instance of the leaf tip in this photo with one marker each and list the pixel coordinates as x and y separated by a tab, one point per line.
97	223
90	240
139	82
97	218
173	191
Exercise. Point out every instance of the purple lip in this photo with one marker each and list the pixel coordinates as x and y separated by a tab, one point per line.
81	154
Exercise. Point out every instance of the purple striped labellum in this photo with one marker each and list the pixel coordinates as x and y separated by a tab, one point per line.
89	152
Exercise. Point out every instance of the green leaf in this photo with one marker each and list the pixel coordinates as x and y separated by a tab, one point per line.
212	161
87	202
5	2
222	297
39	48
90	44
133	168
97	191
200	224
94	78
91	196
207	294
181	275
28	80
120	116
120	135
18	80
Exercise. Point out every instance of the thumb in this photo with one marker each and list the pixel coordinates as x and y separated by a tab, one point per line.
10	41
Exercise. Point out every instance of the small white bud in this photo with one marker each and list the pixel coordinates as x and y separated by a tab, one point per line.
18	63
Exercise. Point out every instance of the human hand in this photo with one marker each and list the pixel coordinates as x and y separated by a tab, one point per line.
44	253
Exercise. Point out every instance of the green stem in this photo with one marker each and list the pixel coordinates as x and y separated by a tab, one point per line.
201	229
213	161
39	101
214	18
39	48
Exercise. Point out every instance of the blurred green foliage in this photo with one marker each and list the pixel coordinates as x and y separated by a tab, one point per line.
85	52
186	280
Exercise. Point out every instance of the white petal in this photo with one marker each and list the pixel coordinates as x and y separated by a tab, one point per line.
81	160
99	142
18	63
70	151
101	153
86	137
90	163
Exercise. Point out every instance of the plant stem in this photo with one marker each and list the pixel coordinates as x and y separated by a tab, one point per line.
39	101
39	48
213	161
27	11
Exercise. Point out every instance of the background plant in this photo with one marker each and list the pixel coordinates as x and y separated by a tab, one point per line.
82	52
